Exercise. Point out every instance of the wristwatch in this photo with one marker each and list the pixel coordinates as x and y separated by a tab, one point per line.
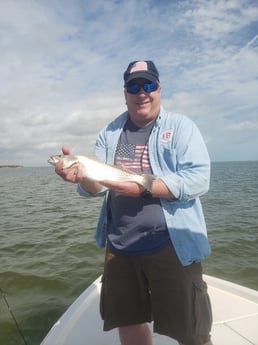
146	194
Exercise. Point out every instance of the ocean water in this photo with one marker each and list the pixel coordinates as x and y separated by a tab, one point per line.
48	254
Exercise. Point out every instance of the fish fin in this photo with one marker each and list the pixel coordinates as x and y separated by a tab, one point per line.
147	180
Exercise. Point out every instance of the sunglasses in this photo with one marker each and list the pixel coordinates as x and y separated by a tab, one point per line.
147	87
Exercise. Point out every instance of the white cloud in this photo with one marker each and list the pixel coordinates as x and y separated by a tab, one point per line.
61	66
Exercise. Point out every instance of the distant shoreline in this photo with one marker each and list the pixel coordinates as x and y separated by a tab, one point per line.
11	166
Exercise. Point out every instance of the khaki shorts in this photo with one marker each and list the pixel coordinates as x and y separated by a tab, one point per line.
156	287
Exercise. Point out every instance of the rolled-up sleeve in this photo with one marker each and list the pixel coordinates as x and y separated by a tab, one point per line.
187	166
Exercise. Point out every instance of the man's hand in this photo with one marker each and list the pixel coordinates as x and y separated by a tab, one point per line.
132	189
75	174
72	174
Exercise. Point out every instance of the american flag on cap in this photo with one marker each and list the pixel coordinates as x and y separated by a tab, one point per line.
141	69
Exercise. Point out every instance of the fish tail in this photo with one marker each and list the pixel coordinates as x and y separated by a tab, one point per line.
147	180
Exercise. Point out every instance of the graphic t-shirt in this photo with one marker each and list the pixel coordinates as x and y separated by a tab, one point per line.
136	226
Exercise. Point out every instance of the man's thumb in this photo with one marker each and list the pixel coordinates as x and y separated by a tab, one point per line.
66	150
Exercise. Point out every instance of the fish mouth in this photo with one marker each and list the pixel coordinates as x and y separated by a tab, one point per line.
52	160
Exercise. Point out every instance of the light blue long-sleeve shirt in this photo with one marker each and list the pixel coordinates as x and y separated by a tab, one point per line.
179	157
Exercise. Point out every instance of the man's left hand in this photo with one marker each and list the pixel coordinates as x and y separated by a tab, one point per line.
131	189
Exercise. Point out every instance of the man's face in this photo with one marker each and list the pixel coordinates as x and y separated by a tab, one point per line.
143	107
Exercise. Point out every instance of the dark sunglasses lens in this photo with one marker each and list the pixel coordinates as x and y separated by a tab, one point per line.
134	88
147	87
150	87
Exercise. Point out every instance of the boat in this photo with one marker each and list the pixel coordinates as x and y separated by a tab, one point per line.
235	318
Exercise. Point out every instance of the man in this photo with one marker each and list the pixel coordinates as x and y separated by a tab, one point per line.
155	238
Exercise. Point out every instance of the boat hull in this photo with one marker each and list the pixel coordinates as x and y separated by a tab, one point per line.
235	314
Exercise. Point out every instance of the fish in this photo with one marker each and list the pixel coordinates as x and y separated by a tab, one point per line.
98	171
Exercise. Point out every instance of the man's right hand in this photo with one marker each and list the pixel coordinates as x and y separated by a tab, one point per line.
72	174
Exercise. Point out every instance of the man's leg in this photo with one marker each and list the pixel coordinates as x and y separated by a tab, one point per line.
135	335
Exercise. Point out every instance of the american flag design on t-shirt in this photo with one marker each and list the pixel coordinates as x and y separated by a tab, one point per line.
133	157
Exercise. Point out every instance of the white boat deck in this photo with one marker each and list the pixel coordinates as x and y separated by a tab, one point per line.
235	313
235	316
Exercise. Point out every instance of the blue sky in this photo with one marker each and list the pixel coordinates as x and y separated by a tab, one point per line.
62	64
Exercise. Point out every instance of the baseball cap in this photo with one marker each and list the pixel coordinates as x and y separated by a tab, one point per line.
141	69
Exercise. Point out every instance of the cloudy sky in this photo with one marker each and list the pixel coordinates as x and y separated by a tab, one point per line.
61	66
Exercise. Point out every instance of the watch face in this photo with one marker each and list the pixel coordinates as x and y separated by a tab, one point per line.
146	194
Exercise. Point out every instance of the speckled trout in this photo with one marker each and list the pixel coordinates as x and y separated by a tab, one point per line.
98	171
